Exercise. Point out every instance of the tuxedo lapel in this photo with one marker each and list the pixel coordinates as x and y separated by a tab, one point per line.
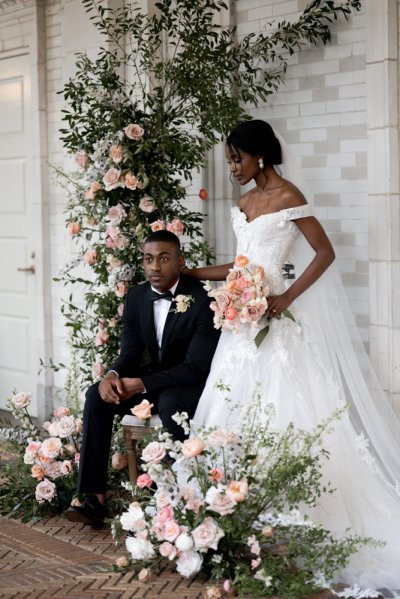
147	314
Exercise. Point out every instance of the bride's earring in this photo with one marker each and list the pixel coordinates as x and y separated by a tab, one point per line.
261	163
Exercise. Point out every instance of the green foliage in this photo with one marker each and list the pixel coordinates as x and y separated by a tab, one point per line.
185	80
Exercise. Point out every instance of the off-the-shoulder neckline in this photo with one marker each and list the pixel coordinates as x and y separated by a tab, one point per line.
267	213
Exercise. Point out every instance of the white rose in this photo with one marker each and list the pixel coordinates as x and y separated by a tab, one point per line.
188	563
184	542
22	400
45	491
129	518
66	426
207	534
140	549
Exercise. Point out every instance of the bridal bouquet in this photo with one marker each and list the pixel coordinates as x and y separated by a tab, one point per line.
227	503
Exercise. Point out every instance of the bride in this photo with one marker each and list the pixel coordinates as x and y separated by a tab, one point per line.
310	367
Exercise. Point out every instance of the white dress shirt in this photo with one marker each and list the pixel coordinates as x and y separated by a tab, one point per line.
161	308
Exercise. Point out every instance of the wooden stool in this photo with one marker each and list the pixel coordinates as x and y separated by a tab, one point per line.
134	430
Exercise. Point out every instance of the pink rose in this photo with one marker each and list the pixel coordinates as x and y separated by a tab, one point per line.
62	411
51	447
255	563
66	467
97	370
203	194
119	461
37	472
165	514
90	257
73	228
115	239
228	588
101	338
121	288
157	225
192	447
116	214
176	226
22	400
77	457
112	179
147	204
143	481
134	131
219	502
207	535
241	261
82	159
223	299
142	410
116	153
166	549
120	310
131	182
45	491
154	452
171	530
237	490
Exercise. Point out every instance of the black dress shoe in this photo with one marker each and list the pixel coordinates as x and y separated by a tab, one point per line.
90	512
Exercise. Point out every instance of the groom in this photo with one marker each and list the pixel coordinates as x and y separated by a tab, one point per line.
166	353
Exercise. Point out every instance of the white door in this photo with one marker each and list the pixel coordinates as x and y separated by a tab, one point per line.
18	352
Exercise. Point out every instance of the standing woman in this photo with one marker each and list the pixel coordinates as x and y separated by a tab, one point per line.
309	368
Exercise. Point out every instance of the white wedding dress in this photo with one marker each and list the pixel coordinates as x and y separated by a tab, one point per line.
300	374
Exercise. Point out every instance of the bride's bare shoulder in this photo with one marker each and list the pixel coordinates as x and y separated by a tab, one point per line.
291	196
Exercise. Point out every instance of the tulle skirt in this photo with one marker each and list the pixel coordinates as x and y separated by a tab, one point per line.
297	375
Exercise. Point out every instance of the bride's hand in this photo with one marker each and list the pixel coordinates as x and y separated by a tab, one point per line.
277	303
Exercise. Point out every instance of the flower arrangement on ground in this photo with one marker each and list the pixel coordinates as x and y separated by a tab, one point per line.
229	503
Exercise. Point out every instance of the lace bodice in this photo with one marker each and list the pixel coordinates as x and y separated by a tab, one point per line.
268	239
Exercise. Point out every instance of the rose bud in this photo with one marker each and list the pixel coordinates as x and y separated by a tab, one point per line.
144	575
212	593
203	194
119	461
122	562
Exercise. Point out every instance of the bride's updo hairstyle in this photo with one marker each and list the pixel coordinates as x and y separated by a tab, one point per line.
258	139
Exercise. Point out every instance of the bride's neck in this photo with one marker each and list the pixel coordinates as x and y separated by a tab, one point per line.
267	179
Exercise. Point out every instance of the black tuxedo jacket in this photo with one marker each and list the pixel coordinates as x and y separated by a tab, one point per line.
188	343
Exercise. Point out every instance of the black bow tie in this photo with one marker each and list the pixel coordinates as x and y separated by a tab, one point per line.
154	296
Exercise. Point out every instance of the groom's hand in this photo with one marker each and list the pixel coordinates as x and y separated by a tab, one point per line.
111	388
131	387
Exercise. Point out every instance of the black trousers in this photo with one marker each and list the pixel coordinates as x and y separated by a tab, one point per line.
98	417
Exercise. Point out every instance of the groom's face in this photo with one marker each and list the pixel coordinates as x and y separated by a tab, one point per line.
162	264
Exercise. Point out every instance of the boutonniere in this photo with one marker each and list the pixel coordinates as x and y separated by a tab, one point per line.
182	303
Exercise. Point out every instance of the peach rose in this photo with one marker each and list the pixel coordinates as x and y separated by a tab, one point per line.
193	447
147	204
157	225
116	214
121	288
230	313
116	153
37	472
82	159
90	257
51	447
112	179
212	593
131	182
73	228
134	131
237	490
94	187
122	562
119	461
142	410
241	261
176	226
144	575
215	474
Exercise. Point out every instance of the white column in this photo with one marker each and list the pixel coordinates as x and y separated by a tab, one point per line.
383	192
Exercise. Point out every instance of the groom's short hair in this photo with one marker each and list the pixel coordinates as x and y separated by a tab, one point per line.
164	236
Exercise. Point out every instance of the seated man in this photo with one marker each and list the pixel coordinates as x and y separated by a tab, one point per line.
179	347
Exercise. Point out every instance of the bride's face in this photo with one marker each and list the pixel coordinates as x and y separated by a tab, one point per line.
242	166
